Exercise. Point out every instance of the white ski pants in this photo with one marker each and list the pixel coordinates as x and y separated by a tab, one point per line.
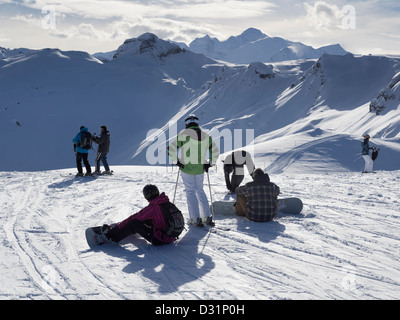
369	163
195	196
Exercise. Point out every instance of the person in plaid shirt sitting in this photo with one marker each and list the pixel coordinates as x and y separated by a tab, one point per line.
258	200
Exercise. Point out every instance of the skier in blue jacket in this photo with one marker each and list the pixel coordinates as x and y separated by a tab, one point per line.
81	153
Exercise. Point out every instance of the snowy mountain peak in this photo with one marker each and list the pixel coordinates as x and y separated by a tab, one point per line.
147	43
2	52
335	49
252	34
259	70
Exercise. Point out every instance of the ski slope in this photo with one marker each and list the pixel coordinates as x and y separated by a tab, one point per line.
344	244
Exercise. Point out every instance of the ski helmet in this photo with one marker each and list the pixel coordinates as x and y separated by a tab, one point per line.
150	192
192	119
366	136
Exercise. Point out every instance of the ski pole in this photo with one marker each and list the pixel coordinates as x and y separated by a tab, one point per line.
176	185
212	204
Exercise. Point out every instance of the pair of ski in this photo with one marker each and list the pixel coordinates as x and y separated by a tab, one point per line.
93	175
209	228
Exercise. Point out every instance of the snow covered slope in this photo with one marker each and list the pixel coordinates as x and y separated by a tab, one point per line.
344	245
308	112
48	94
253	45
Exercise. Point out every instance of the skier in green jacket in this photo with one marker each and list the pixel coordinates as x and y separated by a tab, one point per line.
195	144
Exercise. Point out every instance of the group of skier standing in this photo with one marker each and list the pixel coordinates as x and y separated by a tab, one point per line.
82	145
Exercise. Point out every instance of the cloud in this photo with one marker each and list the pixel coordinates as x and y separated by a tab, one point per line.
84	31
162	27
323	16
227	9
179	20
107	23
3	38
98	9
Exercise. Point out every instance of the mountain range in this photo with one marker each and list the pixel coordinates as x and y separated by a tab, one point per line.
308	112
253	45
250	46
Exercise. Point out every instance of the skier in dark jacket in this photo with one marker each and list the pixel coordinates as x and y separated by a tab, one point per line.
104	147
258	200
234	163
81	153
369	163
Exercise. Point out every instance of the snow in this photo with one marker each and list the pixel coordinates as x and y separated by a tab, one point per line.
344	244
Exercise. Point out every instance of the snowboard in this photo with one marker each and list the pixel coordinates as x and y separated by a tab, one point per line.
290	205
94	237
285	205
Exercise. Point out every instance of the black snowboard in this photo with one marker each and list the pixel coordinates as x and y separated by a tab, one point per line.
286	205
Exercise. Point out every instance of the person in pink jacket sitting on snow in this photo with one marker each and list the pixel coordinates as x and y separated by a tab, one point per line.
148	222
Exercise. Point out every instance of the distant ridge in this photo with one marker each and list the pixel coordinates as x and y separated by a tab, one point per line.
254	45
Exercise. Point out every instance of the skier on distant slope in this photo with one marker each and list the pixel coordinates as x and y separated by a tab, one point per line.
369	163
234	163
81	147
194	144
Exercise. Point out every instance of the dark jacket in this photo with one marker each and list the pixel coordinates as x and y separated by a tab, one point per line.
103	141
262	198
365	147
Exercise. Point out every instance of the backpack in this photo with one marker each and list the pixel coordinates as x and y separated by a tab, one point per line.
374	154
86	140
174	221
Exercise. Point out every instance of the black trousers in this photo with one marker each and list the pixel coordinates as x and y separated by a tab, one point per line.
84	157
234	182
144	228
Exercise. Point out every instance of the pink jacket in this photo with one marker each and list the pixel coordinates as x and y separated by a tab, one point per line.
154	213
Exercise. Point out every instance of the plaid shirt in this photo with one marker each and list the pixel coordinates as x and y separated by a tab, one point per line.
262	199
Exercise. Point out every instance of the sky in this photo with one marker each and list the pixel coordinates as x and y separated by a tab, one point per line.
361	26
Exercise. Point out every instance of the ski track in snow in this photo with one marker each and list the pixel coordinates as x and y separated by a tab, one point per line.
344	244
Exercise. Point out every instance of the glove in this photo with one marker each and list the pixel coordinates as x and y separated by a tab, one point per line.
180	164
207	166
